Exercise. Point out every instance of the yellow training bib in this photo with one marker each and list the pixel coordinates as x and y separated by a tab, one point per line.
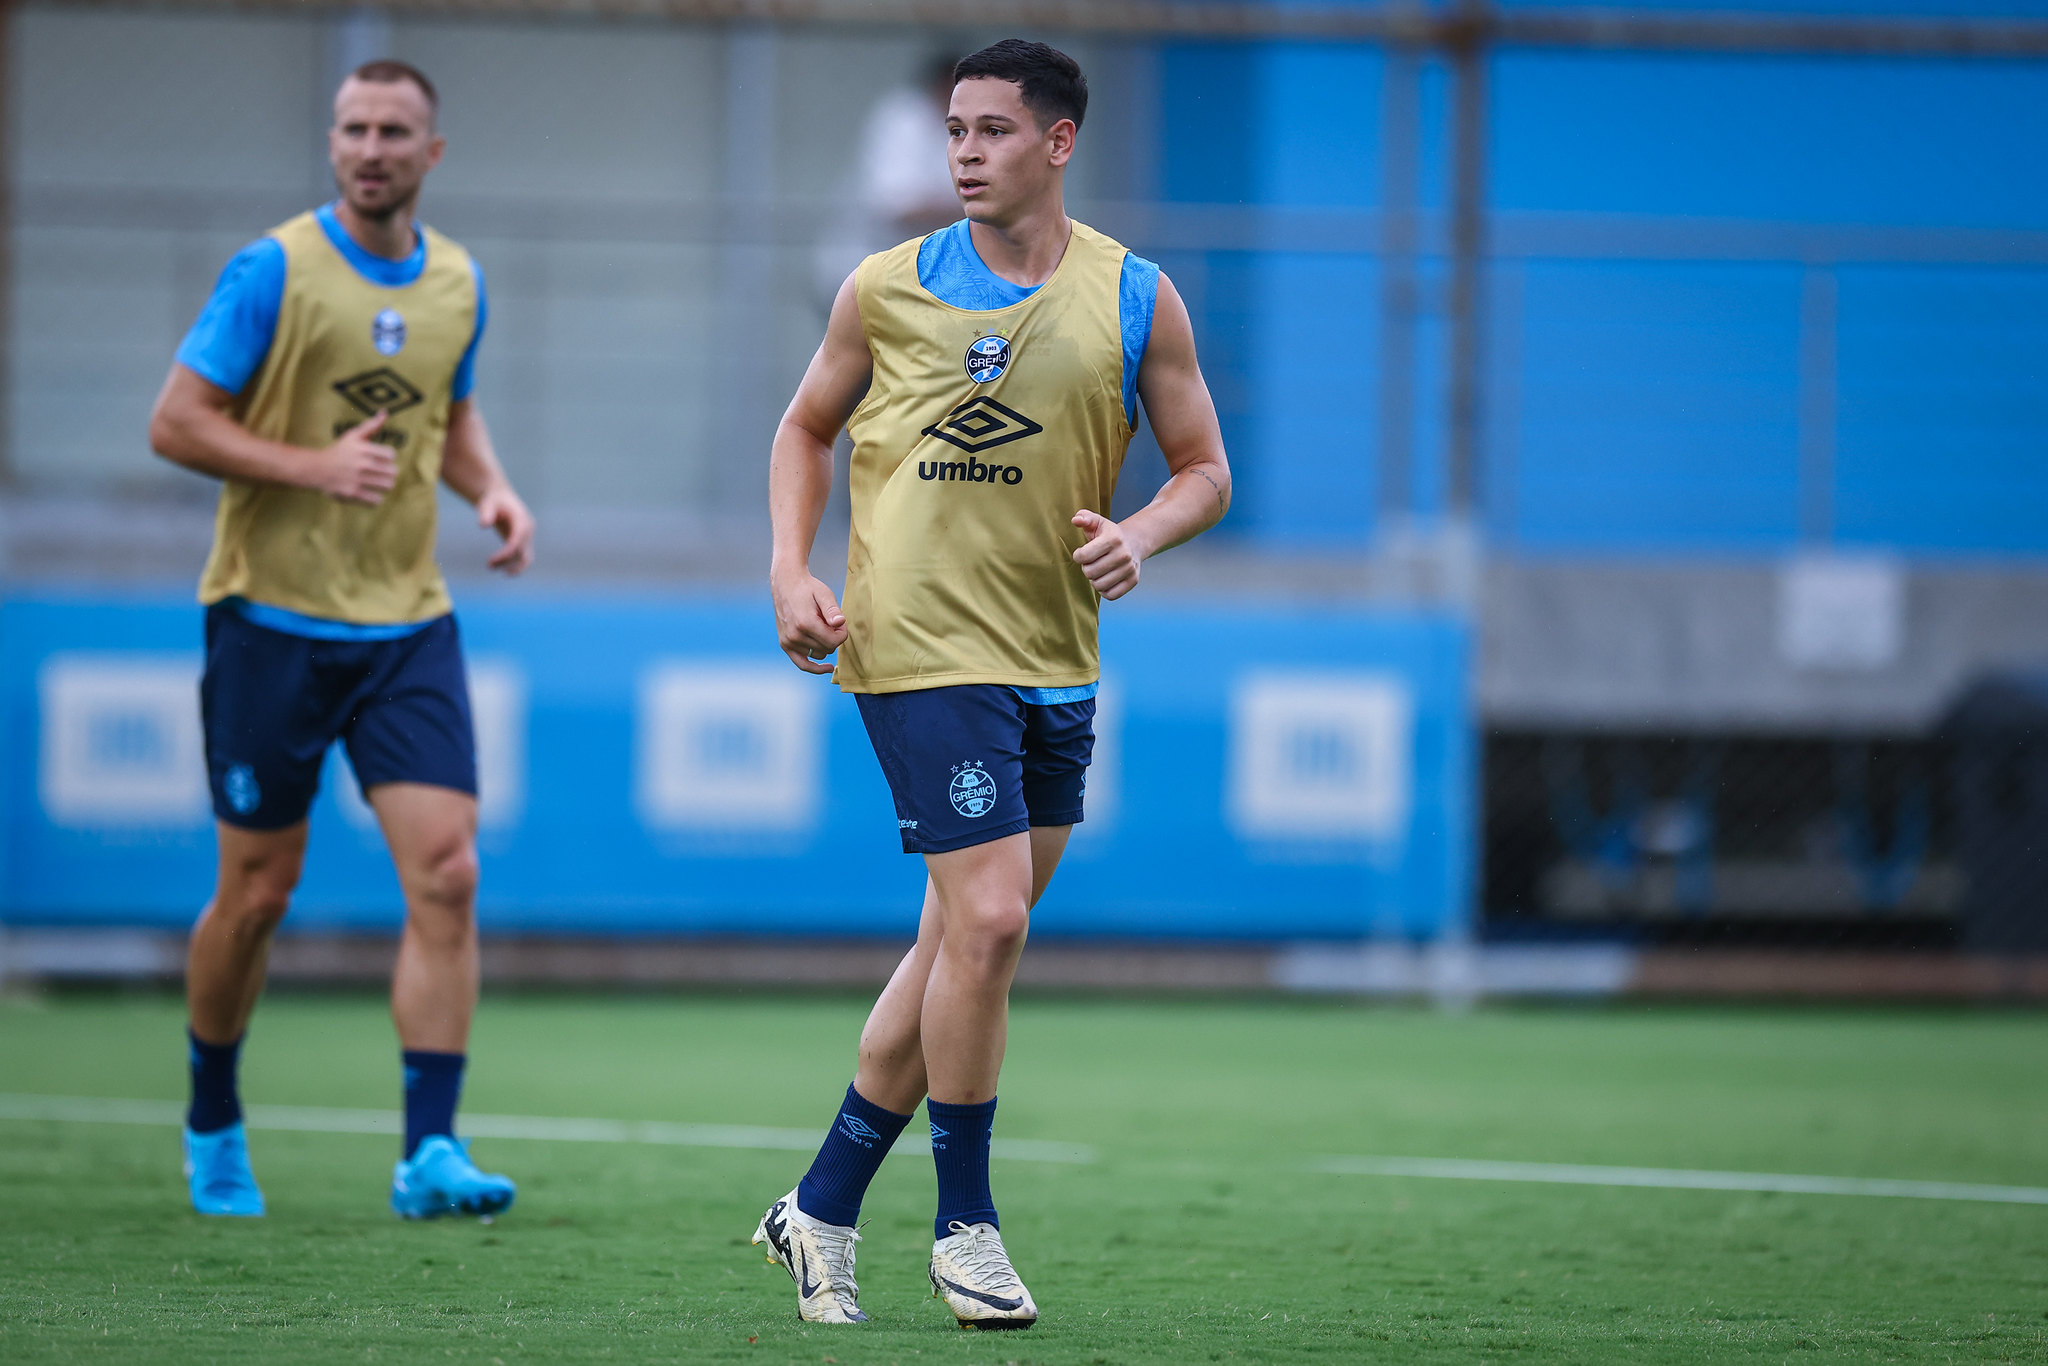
982	435
345	348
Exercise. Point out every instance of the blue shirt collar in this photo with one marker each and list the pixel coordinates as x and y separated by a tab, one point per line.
378	270
960	253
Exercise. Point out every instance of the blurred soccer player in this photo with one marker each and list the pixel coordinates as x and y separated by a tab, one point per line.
989	375
327	384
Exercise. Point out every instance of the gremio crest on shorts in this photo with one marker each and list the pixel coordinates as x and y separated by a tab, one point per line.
387	332
972	790
987	358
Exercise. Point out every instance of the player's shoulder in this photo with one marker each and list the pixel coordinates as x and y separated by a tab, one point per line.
893	269
1095	239
451	262
295	234
256	271
896	257
1134	272
440	244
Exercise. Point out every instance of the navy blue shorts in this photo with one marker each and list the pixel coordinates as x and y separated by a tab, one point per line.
272	703
975	763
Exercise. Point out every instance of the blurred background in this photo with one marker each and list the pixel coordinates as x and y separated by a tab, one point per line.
1638	574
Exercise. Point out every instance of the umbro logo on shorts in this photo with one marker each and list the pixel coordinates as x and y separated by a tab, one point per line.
379	390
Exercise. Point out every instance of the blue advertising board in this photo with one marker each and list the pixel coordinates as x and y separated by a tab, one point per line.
654	765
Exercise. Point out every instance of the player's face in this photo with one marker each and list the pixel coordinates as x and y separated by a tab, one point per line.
382	145
1003	163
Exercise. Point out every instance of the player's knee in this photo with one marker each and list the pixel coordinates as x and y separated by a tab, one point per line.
993	933
450	878
253	908
255	893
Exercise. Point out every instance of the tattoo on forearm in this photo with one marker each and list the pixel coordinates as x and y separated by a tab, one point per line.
1214	485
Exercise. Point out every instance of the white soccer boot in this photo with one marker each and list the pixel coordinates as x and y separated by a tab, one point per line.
972	1273
818	1257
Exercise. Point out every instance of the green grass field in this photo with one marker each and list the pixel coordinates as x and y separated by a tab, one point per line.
1200	1234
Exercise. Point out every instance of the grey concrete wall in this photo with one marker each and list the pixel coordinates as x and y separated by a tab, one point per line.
1696	647
644	199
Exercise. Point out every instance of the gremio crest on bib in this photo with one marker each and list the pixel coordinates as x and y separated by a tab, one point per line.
387	332
987	358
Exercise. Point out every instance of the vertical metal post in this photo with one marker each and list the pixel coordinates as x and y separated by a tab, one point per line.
8	95
1466	40
1817	312
1400	168
747	294
1456	977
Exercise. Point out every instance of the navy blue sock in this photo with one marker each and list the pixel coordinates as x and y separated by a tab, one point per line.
433	1083
861	1135
960	1135
216	1103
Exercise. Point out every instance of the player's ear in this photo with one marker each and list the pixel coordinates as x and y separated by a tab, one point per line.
1061	137
435	146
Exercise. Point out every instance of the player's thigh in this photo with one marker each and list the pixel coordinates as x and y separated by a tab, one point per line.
410	719
268	710
258	869
984	889
1048	843
424	826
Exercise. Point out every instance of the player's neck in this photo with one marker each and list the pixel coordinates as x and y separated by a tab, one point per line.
390	236
1027	250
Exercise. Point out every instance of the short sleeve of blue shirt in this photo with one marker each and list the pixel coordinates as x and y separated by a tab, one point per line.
227	344
1137	296
465	373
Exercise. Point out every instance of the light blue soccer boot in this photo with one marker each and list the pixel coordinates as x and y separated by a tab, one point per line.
440	1179
217	1172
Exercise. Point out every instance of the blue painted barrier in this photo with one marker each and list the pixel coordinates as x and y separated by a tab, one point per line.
655	766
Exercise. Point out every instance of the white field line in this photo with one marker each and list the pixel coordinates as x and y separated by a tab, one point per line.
320	1119
1460	1169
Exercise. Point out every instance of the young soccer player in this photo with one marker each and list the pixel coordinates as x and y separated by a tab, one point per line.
327	384
990	376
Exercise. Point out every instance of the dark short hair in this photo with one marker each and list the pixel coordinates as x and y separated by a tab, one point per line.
391	71
1050	81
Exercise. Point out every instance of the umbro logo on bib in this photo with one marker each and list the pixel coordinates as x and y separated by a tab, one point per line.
981	423
379	390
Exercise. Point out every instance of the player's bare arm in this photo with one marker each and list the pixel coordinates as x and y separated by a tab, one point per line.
469	465
1183	417
193	425
808	622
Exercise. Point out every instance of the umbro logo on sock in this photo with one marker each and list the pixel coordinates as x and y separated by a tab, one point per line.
857	1129
937	1134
